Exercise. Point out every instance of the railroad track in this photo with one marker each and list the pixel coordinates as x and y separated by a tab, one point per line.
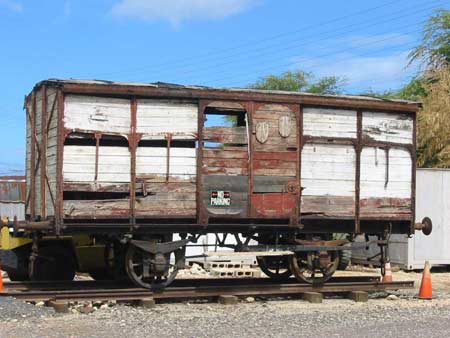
193	288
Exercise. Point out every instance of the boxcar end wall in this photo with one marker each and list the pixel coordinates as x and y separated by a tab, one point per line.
101	152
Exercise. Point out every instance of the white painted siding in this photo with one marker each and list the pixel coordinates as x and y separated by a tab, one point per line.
152	161
373	173
388	127
79	164
328	170
113	164
108	115
329	122
156	118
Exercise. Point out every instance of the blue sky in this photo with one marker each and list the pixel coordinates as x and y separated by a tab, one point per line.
208	42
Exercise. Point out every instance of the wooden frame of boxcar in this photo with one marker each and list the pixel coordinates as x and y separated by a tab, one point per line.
203	96
138	234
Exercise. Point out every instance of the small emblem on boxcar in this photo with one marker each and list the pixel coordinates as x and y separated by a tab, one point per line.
284	126
220	198
262	132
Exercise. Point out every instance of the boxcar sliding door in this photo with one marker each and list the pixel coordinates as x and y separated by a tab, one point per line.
275	159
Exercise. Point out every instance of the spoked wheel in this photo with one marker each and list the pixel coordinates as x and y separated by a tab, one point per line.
150	271
275	267
314	267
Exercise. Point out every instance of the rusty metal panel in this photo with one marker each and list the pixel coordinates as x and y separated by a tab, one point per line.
12	197
12	188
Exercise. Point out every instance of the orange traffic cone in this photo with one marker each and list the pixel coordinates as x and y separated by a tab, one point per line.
426	290
387	278
1	281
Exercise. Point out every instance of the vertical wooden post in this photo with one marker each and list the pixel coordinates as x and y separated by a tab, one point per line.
59	212
358	150
201	217
133	142
98	136
43	151
33	158
250	109
169	140
299	162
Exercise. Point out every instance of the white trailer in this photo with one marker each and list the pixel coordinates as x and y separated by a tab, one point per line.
433	201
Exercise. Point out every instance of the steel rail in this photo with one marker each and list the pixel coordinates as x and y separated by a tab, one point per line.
106	284
205	290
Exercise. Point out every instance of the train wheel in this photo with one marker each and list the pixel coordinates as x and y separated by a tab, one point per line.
148	270
53	263
275	267
314	267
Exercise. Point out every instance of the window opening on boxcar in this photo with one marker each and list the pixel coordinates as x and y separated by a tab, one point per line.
96	167
223	128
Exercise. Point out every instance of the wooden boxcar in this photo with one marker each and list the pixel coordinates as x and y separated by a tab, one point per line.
133	163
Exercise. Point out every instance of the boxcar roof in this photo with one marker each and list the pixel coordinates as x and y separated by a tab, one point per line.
169	90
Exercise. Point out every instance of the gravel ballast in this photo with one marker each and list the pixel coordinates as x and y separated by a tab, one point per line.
403	316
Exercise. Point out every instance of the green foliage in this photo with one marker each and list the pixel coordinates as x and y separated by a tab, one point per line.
414	90
300	81
327	85
434	50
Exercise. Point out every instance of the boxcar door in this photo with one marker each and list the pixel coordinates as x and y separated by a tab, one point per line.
225	160
275	158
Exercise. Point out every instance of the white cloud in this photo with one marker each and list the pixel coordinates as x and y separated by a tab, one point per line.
177	11
11	5
377	62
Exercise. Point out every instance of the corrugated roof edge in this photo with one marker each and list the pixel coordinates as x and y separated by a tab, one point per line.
54	81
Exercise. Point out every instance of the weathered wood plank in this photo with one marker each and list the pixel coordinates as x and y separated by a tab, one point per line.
329	122
228	183
226	153
271	183
283	155
385	207
273	205
328	205
97	114
153	160
379	181
96	208
224	171
229	163
388	127
228	135
160	117
328	170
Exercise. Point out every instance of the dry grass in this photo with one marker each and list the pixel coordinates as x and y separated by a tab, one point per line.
434	122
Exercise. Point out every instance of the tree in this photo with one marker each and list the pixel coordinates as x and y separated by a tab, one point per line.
414	90
300	81
434	50
433	123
